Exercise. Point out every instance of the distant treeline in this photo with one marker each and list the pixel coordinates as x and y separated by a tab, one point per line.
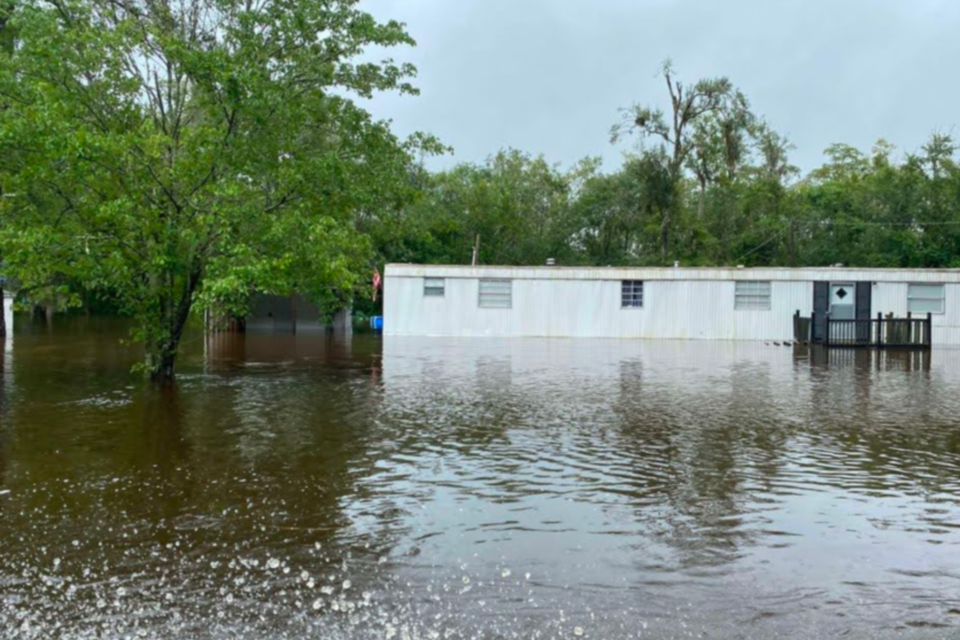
710	184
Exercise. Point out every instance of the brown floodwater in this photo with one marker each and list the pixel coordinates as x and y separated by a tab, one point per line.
312	486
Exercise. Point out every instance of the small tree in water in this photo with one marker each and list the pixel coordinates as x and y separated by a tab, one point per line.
178	152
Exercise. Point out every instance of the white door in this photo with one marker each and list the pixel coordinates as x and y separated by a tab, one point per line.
843	301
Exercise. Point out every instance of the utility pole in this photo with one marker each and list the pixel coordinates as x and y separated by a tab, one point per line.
793	243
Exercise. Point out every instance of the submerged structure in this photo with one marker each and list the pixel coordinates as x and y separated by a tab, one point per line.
292	314
834	305
281	314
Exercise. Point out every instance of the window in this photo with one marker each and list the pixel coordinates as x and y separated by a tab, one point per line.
631	294
925	298
496	294
433	287
752	296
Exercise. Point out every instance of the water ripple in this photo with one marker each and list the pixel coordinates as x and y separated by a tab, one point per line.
314	488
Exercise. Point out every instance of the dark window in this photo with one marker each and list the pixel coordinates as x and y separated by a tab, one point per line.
631	294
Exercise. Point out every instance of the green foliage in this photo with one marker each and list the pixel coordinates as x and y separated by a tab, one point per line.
193	152
619	215
518	204
857	209
704	131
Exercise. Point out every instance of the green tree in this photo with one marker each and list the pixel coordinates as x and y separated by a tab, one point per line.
620	214
518	204
683	127
194	151
872	210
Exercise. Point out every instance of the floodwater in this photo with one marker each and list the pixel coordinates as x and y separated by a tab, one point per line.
319	487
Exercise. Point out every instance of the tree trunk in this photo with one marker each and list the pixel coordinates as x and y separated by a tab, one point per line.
162	353
162	357
163	369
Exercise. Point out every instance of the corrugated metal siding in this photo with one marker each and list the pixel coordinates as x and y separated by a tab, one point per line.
891	297
584	307
946	328
564	308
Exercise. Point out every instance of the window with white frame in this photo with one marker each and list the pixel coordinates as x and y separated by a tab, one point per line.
496	294
631	294
752	295
925	298
433	287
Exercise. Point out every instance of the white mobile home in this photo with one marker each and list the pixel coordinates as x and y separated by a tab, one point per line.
658	302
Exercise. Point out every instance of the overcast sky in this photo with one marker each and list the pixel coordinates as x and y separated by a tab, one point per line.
548	76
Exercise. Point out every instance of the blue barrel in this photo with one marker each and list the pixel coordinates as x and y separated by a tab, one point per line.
376	323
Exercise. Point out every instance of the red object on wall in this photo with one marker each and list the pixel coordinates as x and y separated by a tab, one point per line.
377	282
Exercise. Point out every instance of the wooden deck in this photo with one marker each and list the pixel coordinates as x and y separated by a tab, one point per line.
880	332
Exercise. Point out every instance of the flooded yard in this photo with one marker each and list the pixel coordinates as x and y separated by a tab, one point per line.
296	487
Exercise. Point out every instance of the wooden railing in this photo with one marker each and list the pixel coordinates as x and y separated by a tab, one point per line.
908	332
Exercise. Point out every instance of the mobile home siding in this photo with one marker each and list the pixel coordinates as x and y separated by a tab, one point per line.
677	303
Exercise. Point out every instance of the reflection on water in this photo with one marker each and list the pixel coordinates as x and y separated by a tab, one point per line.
313	487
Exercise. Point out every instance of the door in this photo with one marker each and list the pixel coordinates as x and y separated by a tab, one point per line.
843	304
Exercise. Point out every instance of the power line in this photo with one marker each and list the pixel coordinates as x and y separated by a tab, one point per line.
852	223
761	246
858	223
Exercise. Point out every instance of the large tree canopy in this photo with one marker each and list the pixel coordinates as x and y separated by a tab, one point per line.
176	151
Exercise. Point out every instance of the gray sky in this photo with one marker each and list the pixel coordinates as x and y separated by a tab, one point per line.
547	76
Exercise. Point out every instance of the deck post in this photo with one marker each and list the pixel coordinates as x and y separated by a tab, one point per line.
909	328
826	329
929	329
796	327
879	329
